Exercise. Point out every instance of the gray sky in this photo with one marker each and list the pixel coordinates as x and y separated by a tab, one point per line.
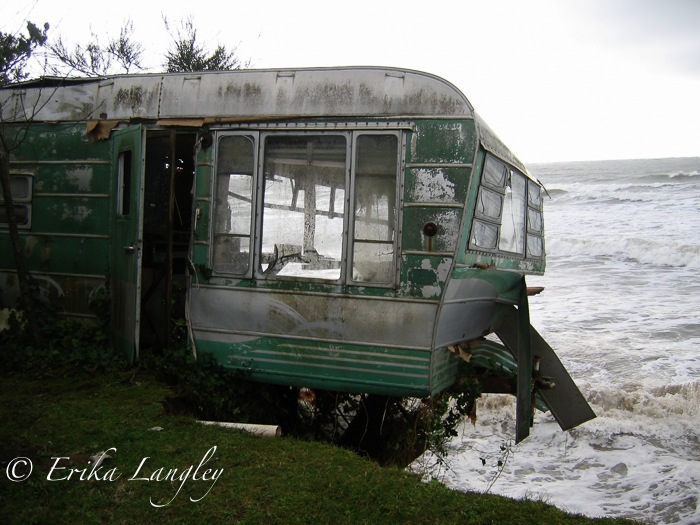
556	79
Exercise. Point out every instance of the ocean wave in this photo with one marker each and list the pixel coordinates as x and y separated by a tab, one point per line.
675	176
676	404
623	255
633	250
656	192
638	459
556	192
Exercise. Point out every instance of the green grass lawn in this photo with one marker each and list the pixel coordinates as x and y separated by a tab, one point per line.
241	479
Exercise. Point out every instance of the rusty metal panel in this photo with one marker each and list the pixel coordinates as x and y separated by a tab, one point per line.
128	97
490	141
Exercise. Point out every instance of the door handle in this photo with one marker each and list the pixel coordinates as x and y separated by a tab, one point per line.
130	249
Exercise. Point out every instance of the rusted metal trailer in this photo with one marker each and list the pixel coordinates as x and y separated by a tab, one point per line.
349	229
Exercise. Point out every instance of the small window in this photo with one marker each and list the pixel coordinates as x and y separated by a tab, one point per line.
124	184
21	189
489	204
234	203
534	195
494	172
534	220
508	214
535	246
484	235
535	224
376	171
512	237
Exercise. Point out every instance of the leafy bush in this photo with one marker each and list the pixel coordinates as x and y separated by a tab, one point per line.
54	343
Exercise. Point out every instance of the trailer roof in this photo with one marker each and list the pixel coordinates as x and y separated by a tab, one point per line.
240	94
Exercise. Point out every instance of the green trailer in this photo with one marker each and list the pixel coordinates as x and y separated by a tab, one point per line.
347	229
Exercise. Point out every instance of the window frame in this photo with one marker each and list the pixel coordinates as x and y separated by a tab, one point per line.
400	137
258	272
351	134
480	219
255	136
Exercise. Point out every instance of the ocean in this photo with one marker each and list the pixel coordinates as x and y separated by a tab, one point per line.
621	307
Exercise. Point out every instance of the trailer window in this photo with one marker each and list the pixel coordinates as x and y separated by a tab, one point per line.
21	189
234	203
508	214
489	204
376	168
124	184
494	172
535	226
512	237
303	205
307	204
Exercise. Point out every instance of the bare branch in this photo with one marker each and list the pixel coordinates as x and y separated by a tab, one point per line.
95	59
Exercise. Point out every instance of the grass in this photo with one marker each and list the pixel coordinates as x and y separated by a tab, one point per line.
261	480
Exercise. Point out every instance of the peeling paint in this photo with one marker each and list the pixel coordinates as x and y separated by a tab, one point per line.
443	269
29	245
81	178
449	221
77	213
431	292
432	185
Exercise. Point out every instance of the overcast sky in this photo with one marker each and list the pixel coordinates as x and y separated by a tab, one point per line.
556	79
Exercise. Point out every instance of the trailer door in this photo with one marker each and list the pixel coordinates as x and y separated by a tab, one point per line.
127	238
